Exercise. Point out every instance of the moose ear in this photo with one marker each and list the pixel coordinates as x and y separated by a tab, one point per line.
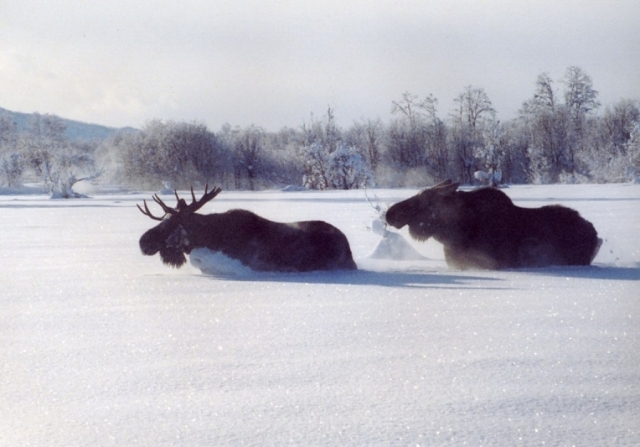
446	188
182	204
442	184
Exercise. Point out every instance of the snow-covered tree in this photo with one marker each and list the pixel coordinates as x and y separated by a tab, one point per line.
491	155
633	154
316	166
540	165
348	170
63	188
579	97
12	163
474	110
12	167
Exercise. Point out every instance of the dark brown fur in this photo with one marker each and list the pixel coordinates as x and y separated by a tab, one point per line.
483	229
258	243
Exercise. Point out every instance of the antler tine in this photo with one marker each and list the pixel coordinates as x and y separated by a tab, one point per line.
207	196
165	208
147	212
193	195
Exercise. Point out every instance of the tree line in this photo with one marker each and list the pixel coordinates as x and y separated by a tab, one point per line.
558	136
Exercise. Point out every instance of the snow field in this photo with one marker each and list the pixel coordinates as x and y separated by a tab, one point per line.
104	346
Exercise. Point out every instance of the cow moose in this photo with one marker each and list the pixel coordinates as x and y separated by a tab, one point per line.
483	229
256	242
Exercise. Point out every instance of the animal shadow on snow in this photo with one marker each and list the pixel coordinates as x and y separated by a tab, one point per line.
425	279
601	272
397	279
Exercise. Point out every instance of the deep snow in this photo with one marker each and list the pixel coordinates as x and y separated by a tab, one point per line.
104	346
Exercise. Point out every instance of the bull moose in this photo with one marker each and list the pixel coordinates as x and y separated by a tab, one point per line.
256	242
483	229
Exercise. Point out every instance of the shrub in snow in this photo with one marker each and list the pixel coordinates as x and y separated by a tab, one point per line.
348	170
344	168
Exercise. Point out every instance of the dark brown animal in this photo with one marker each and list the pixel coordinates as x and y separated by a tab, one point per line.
258	243
483	229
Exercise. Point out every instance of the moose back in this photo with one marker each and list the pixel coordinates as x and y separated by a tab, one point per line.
258	243
483	229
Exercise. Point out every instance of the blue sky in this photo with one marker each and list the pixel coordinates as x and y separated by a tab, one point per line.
274	63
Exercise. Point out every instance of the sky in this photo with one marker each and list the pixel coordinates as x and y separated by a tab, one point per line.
277	63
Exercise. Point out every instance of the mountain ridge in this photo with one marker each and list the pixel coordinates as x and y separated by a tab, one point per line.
75	130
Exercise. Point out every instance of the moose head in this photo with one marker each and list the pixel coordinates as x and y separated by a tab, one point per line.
172	236
430	212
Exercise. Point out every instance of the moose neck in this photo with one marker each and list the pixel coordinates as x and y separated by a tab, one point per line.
205	231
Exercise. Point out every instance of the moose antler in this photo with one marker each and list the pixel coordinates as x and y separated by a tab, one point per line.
181	206
146	211
207	196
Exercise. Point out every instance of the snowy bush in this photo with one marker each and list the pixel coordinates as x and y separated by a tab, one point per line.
348	170
344	168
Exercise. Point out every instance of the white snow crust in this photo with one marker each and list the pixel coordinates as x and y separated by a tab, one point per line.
103	346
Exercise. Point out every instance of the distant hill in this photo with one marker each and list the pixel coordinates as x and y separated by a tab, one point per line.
76	130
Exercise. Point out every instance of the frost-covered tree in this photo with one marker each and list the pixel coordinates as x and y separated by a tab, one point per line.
281	162
473	111
247	154
179	152
41	143
473	106
316	166
407	133
368	136
416	143
63	189
606	144
552	141
348	170
633	154
544	97
54	158
12	167
580	98
491	155
12	163
539	166
320	139
328	161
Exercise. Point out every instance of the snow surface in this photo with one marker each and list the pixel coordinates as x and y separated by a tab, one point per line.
104	346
